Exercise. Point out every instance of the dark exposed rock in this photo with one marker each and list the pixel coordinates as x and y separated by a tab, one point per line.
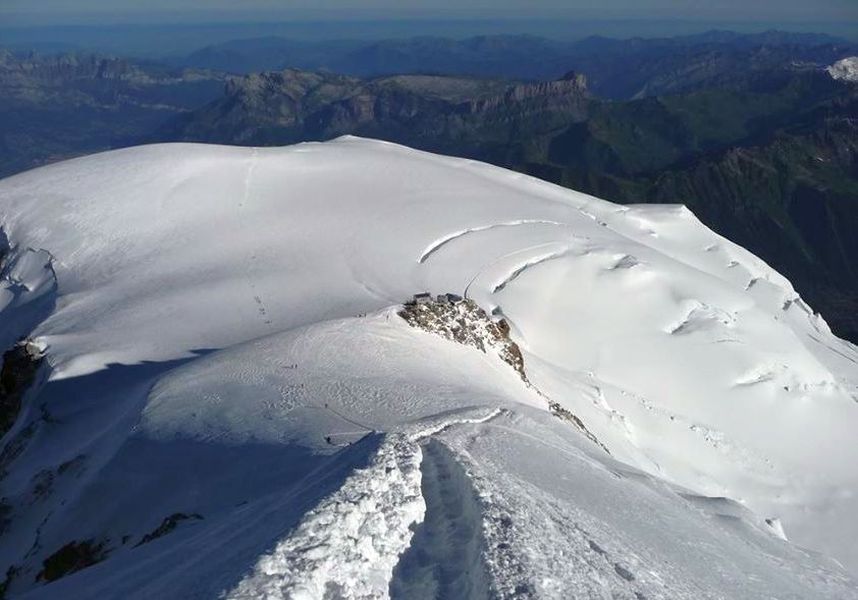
18	372
71	558
167	525
567	415
11	573
75	465
5	515
43	482
15	445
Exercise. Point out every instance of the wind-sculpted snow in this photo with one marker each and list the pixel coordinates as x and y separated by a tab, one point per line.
558	524
223	336
348	546
438	244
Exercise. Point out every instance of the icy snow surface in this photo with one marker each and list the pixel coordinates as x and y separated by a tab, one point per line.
222	331
846	69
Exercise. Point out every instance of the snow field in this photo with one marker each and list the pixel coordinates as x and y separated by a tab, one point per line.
222	333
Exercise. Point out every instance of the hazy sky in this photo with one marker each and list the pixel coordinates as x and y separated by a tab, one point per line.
57	11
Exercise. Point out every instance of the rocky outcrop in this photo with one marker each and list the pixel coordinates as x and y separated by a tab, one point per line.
72	557
464	322
18	372
461	320
167	526
571	90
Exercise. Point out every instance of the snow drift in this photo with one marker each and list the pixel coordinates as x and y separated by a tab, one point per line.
234	408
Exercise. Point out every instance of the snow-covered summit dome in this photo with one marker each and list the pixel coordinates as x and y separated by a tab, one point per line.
233	405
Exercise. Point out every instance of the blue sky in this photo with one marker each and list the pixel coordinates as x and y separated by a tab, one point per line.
57	11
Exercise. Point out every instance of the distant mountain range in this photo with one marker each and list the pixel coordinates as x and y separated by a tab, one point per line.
618	69
55	107
58	106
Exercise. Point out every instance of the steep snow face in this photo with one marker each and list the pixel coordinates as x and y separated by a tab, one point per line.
547	513
223	330
846	69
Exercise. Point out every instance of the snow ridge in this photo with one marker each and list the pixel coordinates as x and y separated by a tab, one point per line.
349	545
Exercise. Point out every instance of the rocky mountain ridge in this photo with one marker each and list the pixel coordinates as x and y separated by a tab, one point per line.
294	105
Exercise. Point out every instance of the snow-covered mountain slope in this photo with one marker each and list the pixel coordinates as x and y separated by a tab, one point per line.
846	69
234	407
